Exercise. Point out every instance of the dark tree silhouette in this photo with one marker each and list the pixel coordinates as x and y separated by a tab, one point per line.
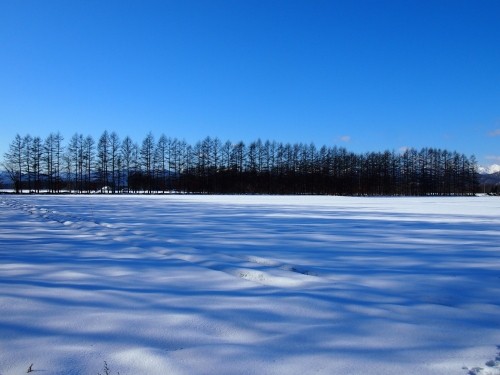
212	166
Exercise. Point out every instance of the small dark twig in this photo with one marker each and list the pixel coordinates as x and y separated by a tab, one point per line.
106	369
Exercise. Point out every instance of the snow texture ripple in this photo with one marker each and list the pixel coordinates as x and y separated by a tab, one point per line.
249	285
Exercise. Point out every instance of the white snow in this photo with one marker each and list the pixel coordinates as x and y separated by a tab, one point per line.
249	285
493	168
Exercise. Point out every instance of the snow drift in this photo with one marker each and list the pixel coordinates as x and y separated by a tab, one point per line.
249	285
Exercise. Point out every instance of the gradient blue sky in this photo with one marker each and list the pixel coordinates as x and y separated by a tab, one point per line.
366	75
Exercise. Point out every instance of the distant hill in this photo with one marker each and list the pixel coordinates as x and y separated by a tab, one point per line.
490	169
490	183
490	178
5	181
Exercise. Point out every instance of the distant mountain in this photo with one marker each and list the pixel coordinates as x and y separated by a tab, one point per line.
489	183
491	179
490	169
5	181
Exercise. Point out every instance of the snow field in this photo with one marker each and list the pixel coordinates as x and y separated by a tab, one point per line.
249	285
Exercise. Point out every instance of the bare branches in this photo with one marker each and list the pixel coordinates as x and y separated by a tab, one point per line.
212	166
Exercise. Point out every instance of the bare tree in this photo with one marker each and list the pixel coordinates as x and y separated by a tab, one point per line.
147	160
13	162
212	166
36	161
88	160
127	150
103	160
72	153
114	160
162	155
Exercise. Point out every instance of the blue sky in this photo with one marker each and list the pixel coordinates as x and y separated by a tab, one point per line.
366	75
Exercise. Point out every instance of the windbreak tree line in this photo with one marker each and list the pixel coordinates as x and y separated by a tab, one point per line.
114	165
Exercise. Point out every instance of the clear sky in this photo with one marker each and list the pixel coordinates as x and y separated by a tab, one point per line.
367	75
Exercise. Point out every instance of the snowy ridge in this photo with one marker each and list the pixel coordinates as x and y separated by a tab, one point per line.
490	169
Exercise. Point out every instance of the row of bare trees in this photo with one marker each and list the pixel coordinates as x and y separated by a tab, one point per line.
115	165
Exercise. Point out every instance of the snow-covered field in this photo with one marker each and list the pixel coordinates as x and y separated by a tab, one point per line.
249	285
